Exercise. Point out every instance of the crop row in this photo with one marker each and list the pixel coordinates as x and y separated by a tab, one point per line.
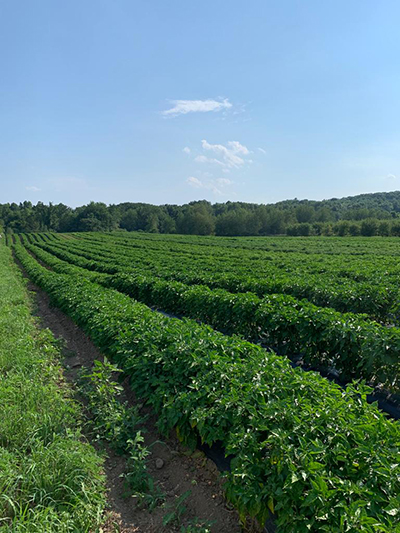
351	344
320	457
325	280
353	248
339	268
378	301
357	267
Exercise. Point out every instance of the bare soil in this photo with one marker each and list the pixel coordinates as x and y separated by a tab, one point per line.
181	471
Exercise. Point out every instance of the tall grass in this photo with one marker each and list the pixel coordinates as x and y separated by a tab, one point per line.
50	479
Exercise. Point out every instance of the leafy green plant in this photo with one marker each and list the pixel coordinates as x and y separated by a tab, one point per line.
316	456
111	420
115	422
174	516
350	343
344	289
197	526
137	480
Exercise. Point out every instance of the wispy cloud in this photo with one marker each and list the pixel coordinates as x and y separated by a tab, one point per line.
262	150
194	182
186	150
224	181
391	177
205	159
230	156
32	188
216	186
183	107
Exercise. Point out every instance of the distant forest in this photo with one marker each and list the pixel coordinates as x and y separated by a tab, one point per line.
365	214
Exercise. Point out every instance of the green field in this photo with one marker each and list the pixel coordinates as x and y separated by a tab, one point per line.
315	455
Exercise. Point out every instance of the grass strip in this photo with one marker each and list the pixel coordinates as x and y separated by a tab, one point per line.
50	479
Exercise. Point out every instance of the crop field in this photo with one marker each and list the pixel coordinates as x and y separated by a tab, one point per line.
232	341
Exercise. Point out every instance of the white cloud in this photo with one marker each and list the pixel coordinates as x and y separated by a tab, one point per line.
228	154
202	159
205	159
186	150
238	148
224	181
32	188
183	107
262	150
391	177
226	157
195	182
216	186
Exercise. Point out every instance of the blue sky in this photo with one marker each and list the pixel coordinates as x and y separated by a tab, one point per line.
168	102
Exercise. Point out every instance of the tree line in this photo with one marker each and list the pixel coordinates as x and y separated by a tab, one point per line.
367	215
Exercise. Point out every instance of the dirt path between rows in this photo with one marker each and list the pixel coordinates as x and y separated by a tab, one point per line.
180	471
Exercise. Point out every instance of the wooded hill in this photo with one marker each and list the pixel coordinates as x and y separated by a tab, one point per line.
365	214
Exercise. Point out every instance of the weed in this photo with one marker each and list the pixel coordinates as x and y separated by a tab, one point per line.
112	420
178	509
197	526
